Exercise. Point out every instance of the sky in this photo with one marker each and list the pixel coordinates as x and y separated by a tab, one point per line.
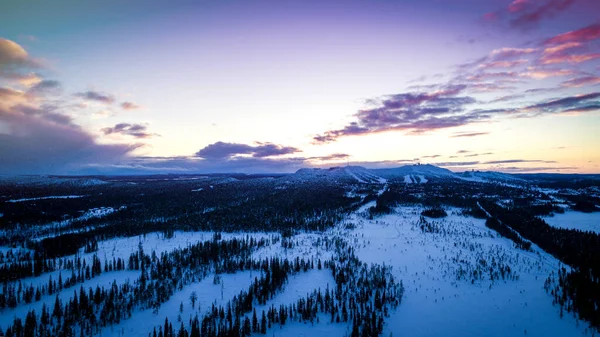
145	87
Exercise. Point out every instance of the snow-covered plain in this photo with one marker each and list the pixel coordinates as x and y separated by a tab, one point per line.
575	220
442	296
48	197
437	304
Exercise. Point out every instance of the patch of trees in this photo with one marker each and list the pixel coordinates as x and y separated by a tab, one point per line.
577	293
434	212
508	233
66	244
585	206
88	311
385	203
362	295
15	293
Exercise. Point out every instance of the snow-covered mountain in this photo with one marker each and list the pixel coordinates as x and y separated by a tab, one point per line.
354	173
418	173
489	176
411	174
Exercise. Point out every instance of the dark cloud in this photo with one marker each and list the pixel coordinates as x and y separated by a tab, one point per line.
412	111
534	169
334	156
463	151
432	156
564	103
220	150
135	130
525	14
477	154
96	97
48	112
469	134
41	142
532	12
45	87
456	163
581	81
584	108
129	106
512	161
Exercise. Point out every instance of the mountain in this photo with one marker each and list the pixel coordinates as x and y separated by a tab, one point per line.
411	174
426	170
489	176
354	173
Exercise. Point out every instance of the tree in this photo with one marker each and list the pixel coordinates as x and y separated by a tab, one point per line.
263	324
193	299
254	321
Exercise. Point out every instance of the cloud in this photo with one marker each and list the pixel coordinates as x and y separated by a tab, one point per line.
220	150
41	140
45	87
16	65
543	73
478	154
562	47
432	156
456	163
135	130
582	109
469	134
13	57
129	106
585	34
581	81
26	79
564	103
502	54
48	112
534	169
512	161
413	111
562	58
532	12
331	157
96	96
525	14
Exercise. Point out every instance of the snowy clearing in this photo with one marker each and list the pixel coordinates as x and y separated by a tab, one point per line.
575	220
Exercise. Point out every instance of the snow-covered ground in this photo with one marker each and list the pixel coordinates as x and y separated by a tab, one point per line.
575	220
48	197
436	265
437	304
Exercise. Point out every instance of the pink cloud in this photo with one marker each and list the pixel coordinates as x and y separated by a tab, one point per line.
553	59
581	81
588	33
517	6
538	73
562	47
503	64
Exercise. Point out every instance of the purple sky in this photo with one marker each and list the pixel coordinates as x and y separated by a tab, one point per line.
271	86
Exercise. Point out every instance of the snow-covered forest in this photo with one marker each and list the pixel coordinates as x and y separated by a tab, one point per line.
338	252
